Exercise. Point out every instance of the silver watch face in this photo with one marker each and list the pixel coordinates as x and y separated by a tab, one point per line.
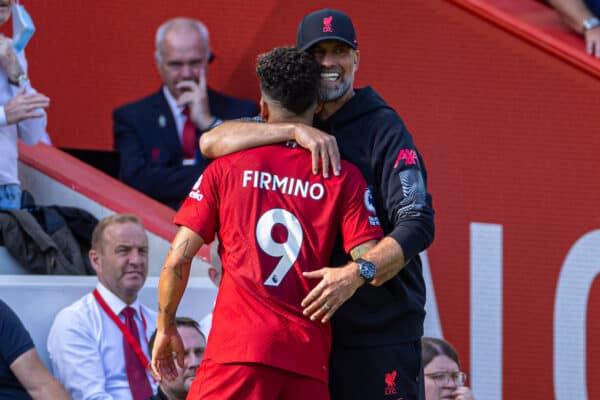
366	270
591	23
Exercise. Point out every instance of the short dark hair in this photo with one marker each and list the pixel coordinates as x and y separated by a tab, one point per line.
179	321
433	347
289	76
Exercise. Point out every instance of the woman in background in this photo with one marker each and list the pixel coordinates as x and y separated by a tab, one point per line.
443	377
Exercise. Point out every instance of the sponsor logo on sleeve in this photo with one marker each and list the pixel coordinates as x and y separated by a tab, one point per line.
370	205
409	157
195	192
368	199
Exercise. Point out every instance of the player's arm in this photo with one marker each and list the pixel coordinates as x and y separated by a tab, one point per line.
388	257
336	286
232	136
173	280
36	379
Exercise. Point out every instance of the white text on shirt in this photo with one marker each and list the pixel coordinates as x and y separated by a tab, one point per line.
285	185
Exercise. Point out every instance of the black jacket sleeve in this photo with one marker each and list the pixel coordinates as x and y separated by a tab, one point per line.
404	188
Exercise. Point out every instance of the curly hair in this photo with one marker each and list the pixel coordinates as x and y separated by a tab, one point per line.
289	76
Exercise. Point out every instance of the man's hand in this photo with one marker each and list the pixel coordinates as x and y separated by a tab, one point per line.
23	106
337	285
195	97
8	59
592	42
166	344
322	146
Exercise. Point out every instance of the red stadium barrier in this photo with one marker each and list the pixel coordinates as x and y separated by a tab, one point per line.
101	189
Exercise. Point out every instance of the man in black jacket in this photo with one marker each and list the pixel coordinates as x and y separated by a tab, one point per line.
152	134
376	348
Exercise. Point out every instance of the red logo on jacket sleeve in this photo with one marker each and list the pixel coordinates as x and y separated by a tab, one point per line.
408	156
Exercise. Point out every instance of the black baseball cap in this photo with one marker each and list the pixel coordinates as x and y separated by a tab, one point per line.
325	24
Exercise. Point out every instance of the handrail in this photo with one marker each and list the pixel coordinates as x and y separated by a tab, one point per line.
99	187
560	46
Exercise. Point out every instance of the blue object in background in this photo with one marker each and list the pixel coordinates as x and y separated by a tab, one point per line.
23	27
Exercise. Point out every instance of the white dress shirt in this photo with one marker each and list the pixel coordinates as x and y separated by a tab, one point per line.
30	130
177	113
206	324
86	347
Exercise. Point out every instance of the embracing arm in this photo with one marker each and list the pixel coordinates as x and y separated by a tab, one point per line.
339	284
172	283
232	136
405	206
36	379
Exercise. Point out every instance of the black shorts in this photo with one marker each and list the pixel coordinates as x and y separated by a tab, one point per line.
392	372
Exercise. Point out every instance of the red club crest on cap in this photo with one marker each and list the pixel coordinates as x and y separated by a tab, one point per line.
327	24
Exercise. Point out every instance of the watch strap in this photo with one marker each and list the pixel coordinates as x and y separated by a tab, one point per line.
20	81
590	23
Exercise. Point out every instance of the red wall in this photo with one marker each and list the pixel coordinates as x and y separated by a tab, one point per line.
509	133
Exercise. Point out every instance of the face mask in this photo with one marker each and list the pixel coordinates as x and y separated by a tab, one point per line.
22	27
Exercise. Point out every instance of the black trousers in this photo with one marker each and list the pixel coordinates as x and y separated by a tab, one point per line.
391	372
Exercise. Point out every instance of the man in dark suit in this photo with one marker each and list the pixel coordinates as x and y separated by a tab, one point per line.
157	136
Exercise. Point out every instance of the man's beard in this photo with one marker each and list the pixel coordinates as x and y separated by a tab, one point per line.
333	94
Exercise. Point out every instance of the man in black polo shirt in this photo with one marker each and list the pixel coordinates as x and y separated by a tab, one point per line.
23	376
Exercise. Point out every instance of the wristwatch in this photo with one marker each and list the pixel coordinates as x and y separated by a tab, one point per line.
366	269
590	23
20	81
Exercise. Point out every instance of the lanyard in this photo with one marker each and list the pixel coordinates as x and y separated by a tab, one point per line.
135	345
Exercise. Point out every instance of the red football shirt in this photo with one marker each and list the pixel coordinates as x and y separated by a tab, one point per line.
275	219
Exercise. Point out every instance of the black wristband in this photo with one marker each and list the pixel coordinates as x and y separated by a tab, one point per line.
21	80
215	121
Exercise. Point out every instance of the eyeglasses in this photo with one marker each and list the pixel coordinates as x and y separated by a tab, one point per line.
443	378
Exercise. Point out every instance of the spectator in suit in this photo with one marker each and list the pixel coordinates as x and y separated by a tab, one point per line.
98	345
194	343
582	16
22	114
157	136
23	376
